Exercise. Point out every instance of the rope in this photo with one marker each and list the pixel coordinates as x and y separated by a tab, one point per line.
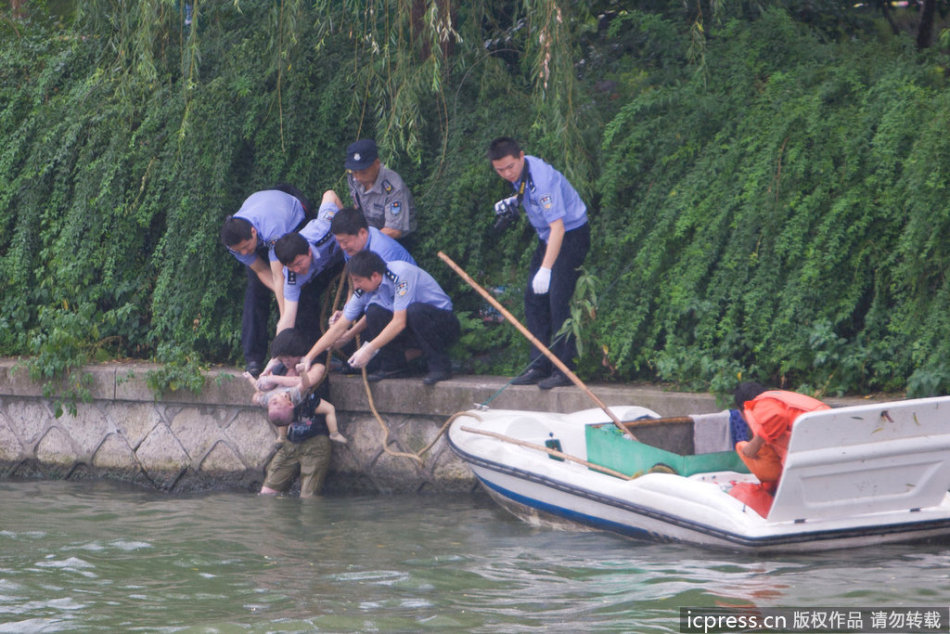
417	456
382	423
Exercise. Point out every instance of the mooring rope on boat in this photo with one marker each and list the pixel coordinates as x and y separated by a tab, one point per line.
417	456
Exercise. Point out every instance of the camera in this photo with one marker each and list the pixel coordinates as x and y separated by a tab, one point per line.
506	212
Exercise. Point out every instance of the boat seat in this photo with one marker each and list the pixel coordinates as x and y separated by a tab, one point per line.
868	458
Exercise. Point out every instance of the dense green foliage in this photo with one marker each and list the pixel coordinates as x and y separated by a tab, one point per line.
769	203
785	219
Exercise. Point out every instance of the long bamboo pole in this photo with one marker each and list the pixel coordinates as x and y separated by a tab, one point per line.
547	450
650	422
537	343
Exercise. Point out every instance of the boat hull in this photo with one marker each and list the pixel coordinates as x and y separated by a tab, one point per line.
656	506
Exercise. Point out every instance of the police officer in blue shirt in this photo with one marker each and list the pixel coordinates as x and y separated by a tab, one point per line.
352	232
378	191
250	235
311	259
398	306
559	218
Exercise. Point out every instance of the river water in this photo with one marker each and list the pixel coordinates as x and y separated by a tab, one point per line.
100	556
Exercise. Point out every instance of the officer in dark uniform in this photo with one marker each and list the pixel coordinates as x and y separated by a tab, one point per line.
379	192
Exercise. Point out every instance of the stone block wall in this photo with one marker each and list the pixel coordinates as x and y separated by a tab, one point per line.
185	442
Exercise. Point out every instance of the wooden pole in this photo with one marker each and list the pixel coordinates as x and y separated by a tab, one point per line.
649	422
534	340
547	450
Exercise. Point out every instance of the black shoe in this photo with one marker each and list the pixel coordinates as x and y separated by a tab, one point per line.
557	379
379	375
435	376
254	368
532	376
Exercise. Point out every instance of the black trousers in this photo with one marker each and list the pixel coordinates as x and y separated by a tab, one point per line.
255	333
309	305
545	314
428	328
254	330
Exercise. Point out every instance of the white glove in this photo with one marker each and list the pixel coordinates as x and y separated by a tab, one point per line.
506	205
542	281
363	356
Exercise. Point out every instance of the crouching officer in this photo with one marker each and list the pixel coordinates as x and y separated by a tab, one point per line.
398	306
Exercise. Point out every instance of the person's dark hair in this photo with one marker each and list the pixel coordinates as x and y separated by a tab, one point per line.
348	221
365	263
747	391
503	146
289	342
235	230
289	246
287	188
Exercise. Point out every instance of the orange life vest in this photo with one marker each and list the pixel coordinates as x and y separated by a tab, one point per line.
771	415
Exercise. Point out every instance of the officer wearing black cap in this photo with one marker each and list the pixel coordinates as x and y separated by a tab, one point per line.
379	192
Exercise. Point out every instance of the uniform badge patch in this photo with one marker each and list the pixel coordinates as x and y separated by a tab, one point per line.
387	187
546	201
402	288
395	208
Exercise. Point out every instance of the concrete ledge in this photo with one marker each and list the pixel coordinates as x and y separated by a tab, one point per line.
182	441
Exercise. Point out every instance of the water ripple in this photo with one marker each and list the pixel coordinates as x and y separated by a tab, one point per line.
116	558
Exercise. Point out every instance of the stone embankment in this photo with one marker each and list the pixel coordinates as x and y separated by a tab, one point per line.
184	442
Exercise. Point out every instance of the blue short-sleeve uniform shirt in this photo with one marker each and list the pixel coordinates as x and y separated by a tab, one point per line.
402	284
548	196
385	247
272	213
324	249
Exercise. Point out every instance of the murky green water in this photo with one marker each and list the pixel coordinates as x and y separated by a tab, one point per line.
96	556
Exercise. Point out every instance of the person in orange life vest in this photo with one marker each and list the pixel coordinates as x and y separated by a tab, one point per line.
770	415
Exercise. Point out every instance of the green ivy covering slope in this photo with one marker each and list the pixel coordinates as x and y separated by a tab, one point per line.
772	206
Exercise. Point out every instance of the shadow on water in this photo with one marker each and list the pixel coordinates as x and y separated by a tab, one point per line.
100	556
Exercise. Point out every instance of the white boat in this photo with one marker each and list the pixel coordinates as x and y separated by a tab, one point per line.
854	476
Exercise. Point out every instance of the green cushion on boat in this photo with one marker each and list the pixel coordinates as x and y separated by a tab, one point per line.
607	447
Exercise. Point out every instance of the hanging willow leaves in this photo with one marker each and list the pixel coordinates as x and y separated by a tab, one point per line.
769	202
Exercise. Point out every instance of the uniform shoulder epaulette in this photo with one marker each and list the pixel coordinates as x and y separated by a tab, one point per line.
358	292
392	276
